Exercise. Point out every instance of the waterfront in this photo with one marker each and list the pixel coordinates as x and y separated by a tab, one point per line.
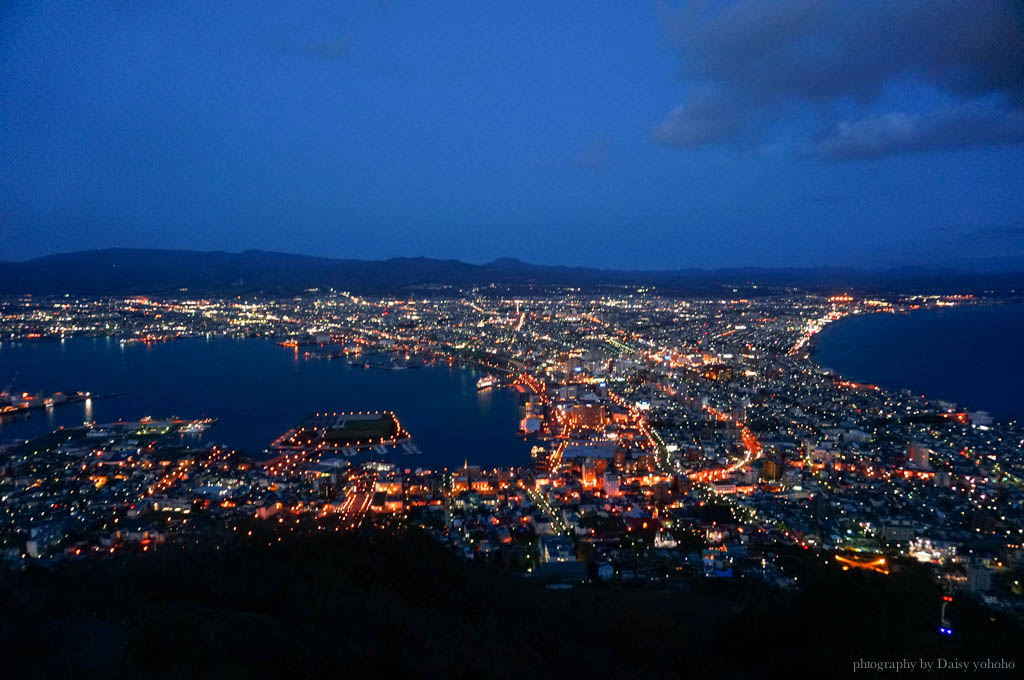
961	354
258	390
654	463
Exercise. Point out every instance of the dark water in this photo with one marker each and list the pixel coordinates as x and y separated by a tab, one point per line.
968	355
258	390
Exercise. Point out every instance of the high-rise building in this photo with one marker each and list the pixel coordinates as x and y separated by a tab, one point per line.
918	456
611	484
772	469
588	473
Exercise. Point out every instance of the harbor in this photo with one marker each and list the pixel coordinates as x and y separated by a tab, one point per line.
344	434
230	379
21	404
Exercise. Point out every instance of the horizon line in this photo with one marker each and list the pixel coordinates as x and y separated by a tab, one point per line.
1015	267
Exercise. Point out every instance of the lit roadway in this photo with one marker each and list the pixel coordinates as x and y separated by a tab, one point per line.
751	445
353	510
541	500
641	425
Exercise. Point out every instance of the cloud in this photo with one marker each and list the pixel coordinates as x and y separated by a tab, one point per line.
707	116
755	65
896	133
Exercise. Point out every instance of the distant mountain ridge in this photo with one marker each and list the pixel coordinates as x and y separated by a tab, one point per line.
124	271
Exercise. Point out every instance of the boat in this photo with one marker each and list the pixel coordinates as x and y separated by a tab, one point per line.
196	426
486	381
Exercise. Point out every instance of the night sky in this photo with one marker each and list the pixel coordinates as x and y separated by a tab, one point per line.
611	134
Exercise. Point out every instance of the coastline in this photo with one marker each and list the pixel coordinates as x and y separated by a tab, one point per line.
953	388
213	377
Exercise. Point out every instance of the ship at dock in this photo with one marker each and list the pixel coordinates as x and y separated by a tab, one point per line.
12	404
486	382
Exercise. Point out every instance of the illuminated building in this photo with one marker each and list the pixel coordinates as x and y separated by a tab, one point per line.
588	474
919	456
530	425
771	470
588	415
719	372
611	484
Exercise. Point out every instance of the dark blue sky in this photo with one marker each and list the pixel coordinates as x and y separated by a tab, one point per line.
629	134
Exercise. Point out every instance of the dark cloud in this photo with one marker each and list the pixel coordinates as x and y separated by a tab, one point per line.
749	63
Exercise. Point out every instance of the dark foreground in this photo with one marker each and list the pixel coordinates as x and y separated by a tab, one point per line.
376	605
